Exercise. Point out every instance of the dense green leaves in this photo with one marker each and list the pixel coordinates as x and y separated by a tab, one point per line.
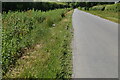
23	6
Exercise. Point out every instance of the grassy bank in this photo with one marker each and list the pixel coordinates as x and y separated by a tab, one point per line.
110	12
50	55
112	16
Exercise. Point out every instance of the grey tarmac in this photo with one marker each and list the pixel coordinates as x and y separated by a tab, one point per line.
95	46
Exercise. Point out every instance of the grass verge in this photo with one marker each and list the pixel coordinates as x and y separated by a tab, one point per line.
22	30
50	58
109	15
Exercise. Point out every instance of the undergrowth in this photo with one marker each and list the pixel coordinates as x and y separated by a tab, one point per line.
24	30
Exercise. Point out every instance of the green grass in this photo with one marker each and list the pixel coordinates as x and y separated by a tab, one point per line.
110	12
98	7
112	16
51	56
113	7
22	30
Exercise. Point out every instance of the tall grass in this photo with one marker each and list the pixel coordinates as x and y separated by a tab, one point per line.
22	30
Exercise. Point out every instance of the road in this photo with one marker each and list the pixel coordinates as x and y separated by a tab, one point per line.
95	46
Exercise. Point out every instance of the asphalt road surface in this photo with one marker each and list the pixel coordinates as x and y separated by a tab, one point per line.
95	46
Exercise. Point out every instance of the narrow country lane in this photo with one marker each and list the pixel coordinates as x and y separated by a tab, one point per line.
95	46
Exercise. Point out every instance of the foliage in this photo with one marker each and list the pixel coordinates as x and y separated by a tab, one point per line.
98	7
24	6
45	6
114	7
51	57
110	12
87	5
21	30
